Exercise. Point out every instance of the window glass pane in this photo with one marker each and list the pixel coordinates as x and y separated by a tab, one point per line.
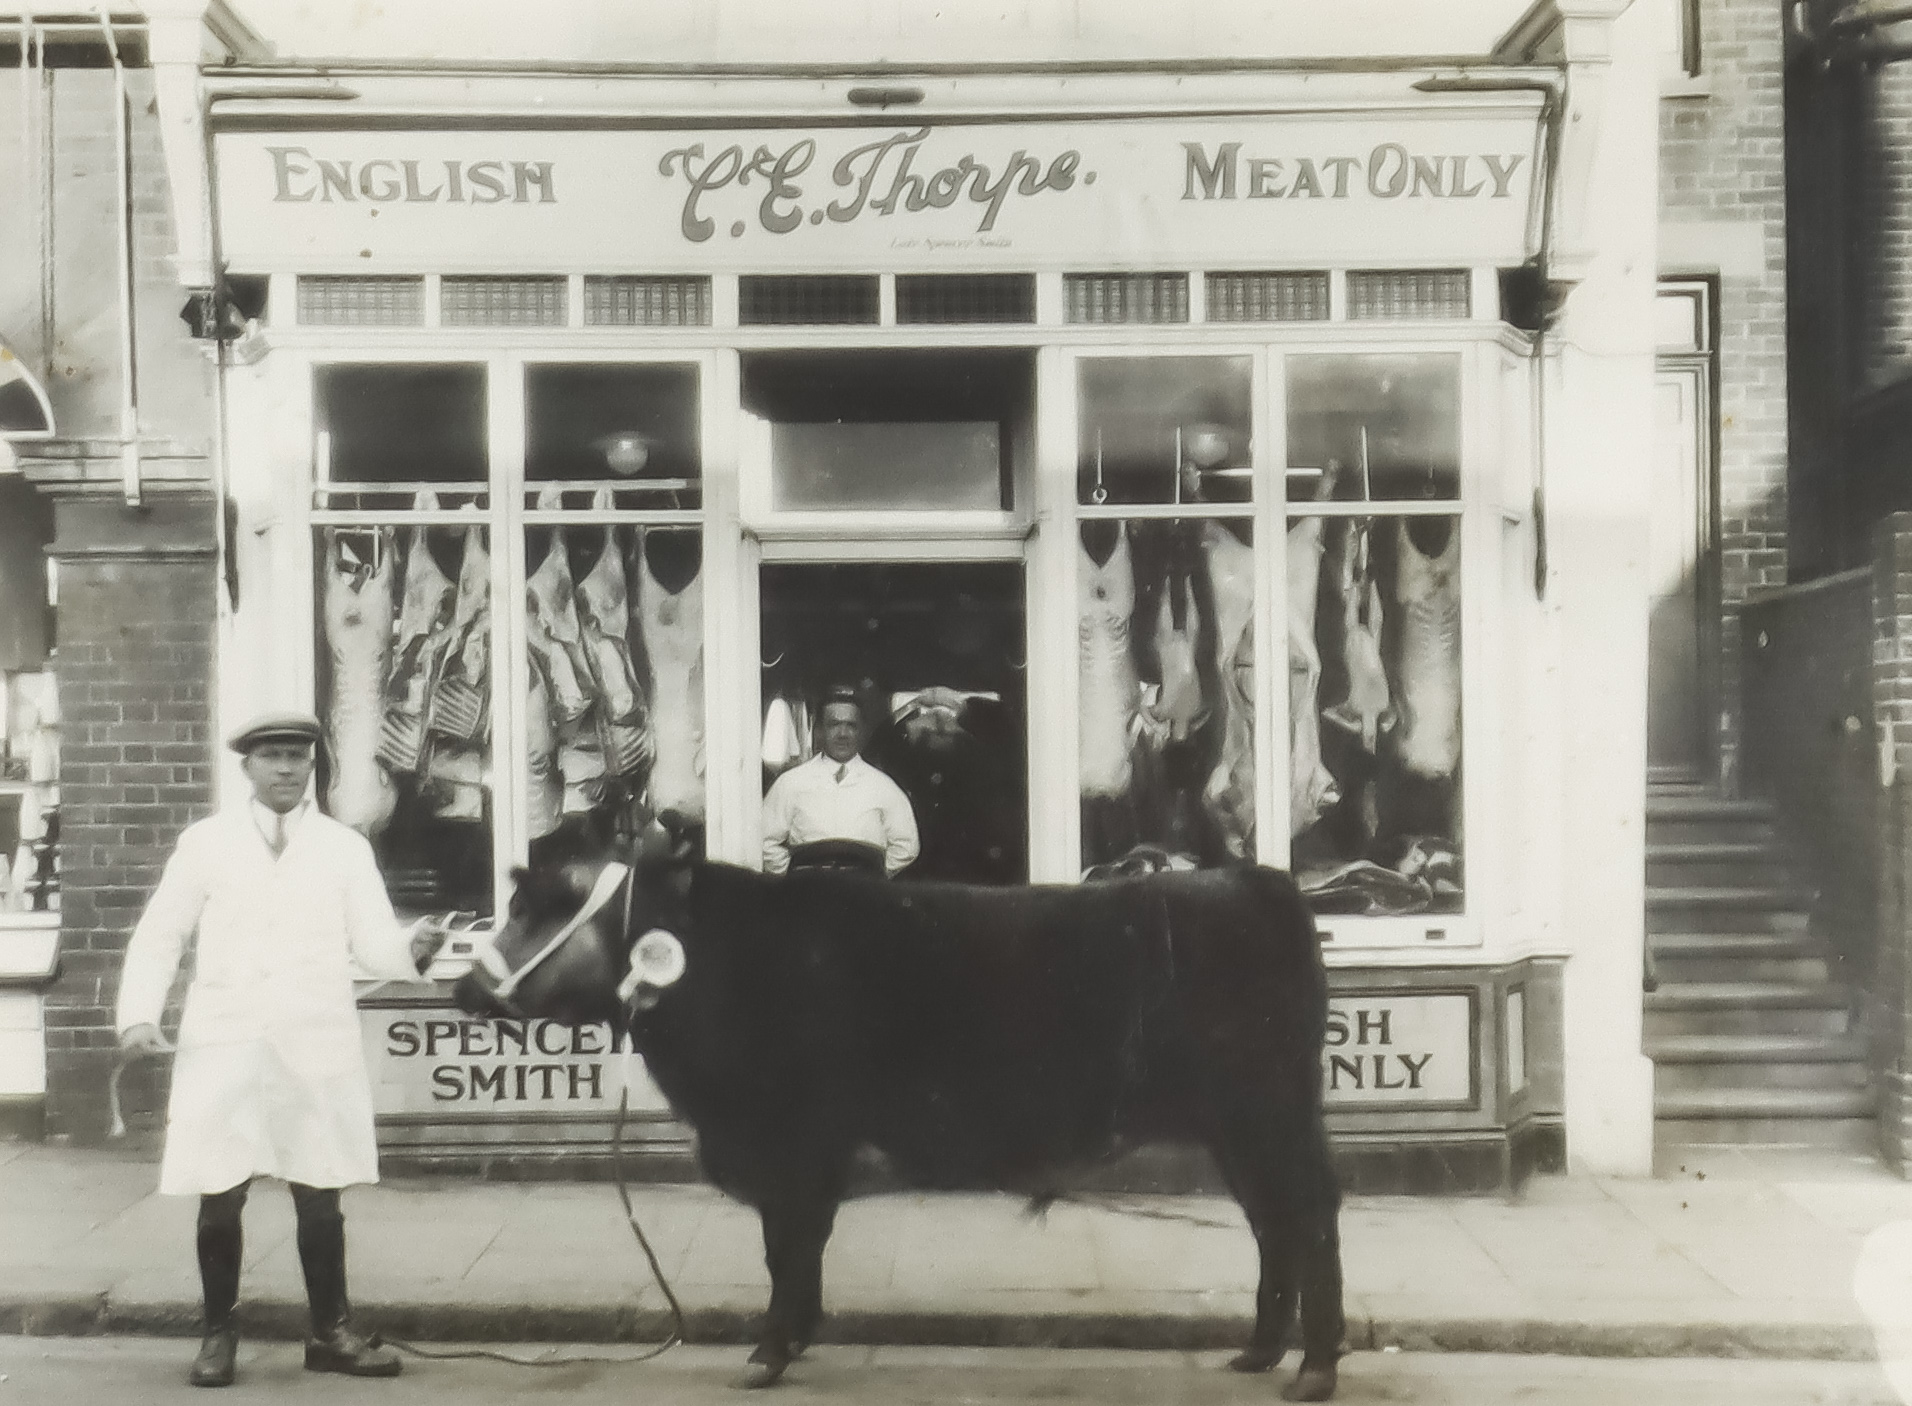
1373	426
404	693
1374	706
1165	429
901	429
403	426
614	621
934	655
631	427
1166	639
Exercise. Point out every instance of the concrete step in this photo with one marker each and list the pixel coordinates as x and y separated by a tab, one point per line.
1706	970
1746	1008
1743	1103
1715	863
1688	817
1755	1049
1726	908
1703	1135
1734	944
1679	1080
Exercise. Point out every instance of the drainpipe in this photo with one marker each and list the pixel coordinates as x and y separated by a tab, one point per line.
129	369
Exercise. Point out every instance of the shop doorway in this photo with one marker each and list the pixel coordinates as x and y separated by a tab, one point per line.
1682	554
934	651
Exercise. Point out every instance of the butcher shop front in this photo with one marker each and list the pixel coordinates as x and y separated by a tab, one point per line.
1162	478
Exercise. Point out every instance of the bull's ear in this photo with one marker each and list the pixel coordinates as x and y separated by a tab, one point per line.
681	836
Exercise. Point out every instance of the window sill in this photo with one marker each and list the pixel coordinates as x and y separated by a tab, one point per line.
1687	85
29	948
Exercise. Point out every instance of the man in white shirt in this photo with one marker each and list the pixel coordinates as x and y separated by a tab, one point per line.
836	795
269	1075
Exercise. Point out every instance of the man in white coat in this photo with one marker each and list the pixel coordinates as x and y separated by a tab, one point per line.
269	1076
837	796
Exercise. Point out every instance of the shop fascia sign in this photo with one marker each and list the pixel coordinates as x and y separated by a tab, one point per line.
1400	186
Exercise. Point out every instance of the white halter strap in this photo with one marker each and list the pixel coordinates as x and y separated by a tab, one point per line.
609	880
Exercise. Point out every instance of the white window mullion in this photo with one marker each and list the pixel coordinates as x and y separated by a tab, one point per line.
1052	679
510	665
1273	765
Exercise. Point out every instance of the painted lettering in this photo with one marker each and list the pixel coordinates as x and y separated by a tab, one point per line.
1341	165
584	1040
474	1038
1381	1074
335	177
1339	1065
1427	175
436	1030
416	194
1502	175
1460	190
1386	182
526	174
1217	177
487	177
488	1080
454	181
1264	178
780	173
1376	1021
401	1038
581	1074
992	194
713	174
446	1087
512	1032
379	190
282	172
1414	1064
546	1027
1307	182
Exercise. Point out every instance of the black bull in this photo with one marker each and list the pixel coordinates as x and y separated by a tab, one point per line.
977	1037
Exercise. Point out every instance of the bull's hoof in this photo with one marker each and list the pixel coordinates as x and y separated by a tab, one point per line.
1310	1384
767	1366
1256	1359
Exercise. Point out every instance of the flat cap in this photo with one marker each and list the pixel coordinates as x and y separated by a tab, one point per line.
277	726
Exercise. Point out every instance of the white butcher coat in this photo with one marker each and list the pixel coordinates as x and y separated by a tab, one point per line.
270	1076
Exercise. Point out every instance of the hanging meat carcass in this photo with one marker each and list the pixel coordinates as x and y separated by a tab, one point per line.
1365	711
544	796
1229	794
359	601
604	618
1428	667
671	623
422	621
460	715
1176	706
551	626
1105	603
1311	788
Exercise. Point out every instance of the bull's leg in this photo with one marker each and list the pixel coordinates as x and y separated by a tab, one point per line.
796	1226
1319	1232
1249	1166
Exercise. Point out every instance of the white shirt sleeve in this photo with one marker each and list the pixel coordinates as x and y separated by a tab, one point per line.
380	946
900	842
776	825
153	951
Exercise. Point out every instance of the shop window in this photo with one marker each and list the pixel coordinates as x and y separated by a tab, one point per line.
501	302
1165	429
949	298
1409	294
1267	297
807	299
361	302
1126	297
629	430
1374	632
404	697
29	793
935	652
900	430
614	602
1165	612
404	623
399	435
622	300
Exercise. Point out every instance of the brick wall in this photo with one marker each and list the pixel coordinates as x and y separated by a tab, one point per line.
1722	159
136	637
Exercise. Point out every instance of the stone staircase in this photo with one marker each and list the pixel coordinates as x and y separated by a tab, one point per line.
1752	1041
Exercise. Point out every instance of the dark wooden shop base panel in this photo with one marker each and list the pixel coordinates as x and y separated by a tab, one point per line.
1438	1079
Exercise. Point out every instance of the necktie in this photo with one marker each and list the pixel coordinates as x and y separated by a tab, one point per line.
277	838
843	770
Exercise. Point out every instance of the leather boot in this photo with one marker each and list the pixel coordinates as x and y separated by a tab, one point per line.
334	1345
220	1243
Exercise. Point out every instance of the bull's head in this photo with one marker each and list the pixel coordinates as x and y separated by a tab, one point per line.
582	942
